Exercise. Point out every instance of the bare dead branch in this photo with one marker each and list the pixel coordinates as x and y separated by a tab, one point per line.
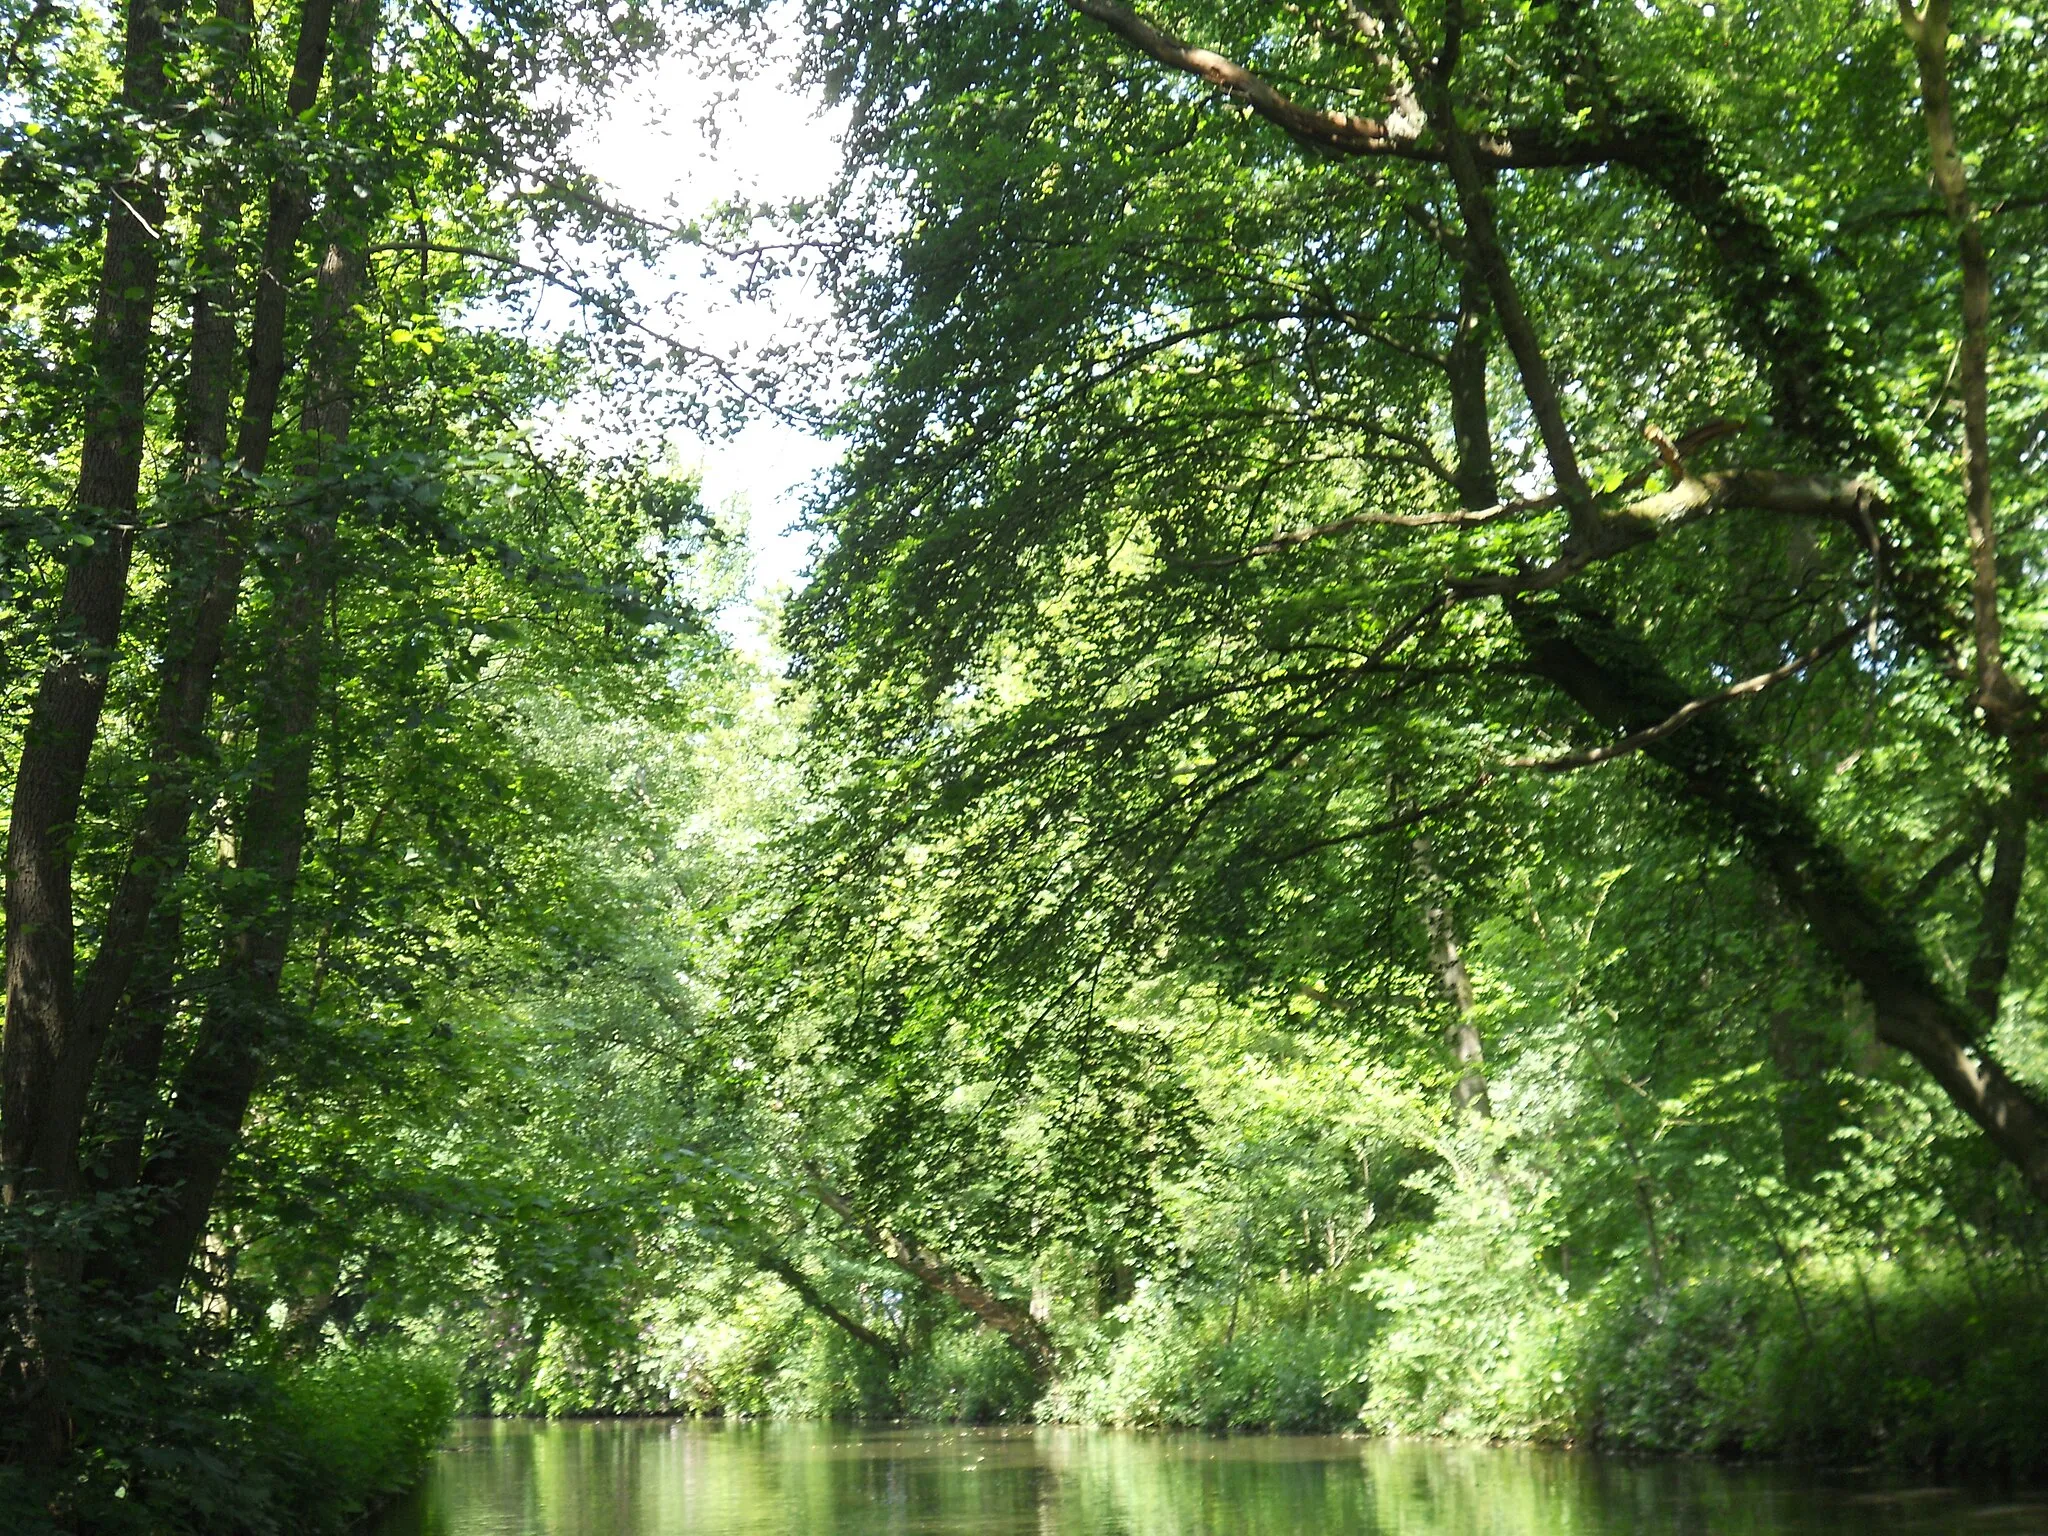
610	308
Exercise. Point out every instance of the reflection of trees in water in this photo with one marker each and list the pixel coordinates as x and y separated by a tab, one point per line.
654	1478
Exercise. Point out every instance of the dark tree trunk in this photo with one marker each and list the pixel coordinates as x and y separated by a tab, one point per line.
1478	489
1618	684
47	1053
126	1091
806	1292
238	1031
207	567
46	1058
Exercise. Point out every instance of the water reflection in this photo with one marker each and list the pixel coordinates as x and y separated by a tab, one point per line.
659	1478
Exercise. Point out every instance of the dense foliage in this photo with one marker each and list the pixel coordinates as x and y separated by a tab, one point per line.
1402	799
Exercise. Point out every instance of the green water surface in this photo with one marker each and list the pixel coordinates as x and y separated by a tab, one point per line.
663	1478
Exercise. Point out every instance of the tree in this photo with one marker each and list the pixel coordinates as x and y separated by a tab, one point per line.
1167	569
319	424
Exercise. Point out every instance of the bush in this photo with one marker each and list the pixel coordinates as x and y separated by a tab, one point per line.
1475	1339
1930	1368
1289	1355
362	1425
240	1450
966	1376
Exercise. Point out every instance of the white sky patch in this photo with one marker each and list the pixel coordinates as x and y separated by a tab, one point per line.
767	143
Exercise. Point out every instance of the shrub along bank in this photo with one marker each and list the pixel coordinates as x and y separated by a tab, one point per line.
244	1449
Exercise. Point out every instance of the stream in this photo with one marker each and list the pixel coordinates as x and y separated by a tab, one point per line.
656	1477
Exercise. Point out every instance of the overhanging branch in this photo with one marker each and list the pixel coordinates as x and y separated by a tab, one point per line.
1690	711
1857	502
1339	133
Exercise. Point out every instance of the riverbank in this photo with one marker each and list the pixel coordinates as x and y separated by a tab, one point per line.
1927	1369
245	1449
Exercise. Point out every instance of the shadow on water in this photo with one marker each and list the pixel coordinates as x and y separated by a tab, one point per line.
663	1478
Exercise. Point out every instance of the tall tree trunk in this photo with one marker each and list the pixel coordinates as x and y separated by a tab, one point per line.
126	1090
1465	368
46	1060
1478	488
1448	960
46	1056
207	565
235	1038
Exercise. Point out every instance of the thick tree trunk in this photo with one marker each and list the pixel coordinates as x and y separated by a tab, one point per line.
46	1059
207	567
1015	1323
47	1055
1618	684
1471	417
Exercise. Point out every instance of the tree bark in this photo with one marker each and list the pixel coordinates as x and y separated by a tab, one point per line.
233	1047
1471	420
1448	960
46	1058
800	1283
126	1088
207	565
1015	1323
1478	488
2001	699
1619	685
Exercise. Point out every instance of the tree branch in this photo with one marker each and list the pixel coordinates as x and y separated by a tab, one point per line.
1014	1323
1963	853
1338	133
1614	679
609	308
1462	519
2001	699
1857	502
1488	256
1690	711
783	1270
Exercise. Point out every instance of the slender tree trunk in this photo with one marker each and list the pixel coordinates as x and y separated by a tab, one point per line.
1448	960
2004	703
1478	488
1015	1323
236	1036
